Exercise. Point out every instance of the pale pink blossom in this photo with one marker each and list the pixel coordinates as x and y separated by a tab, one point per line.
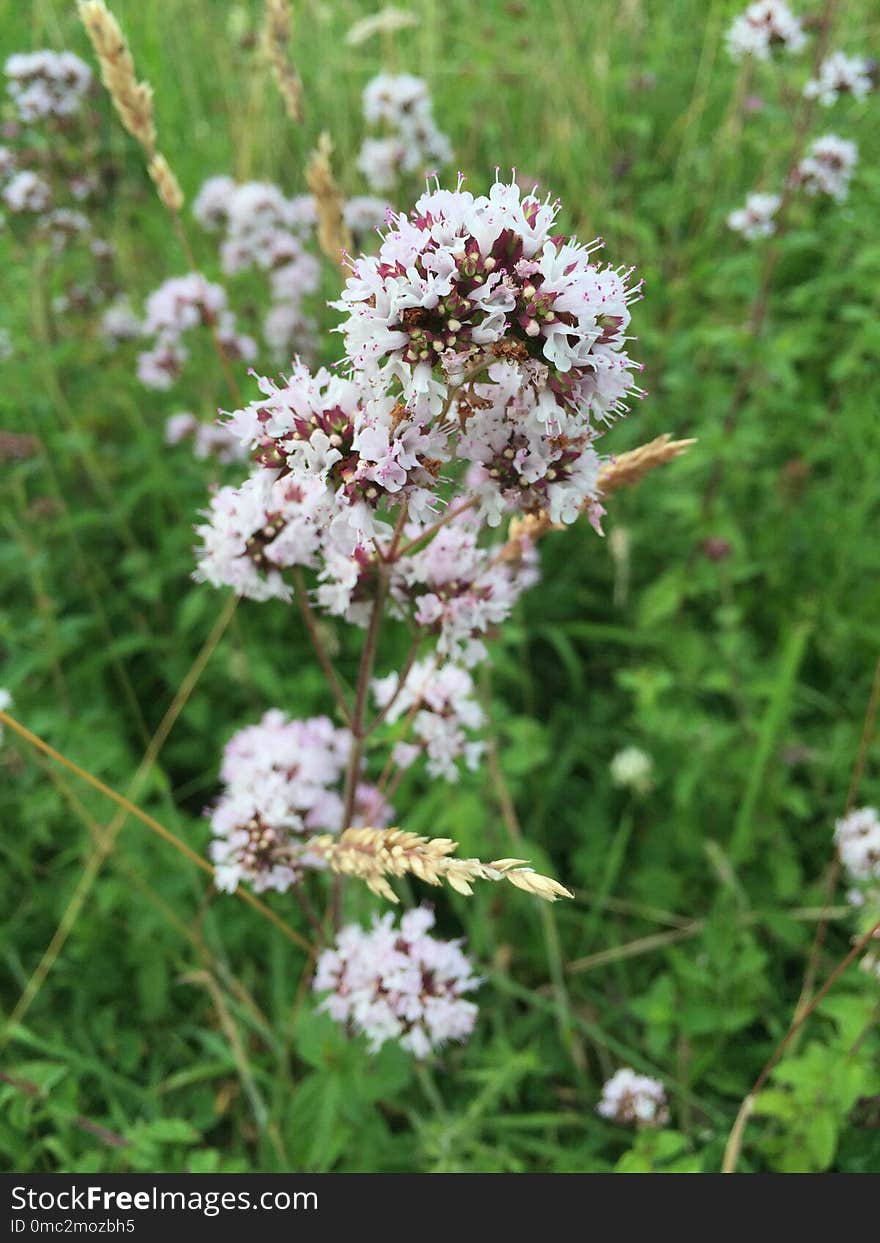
399	983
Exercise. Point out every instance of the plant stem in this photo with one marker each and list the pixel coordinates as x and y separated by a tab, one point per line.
435	527
365	672
401	682
301	596
549	928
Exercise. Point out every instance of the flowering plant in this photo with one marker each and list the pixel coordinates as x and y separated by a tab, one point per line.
485	355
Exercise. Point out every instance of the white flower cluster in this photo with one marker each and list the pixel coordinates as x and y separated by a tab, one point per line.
390	983
319	510
857	837
46	84
765	26
38	184
827	168
410	145
840	74
281	786
465	282
27	191
264	230
256	531
633	1100
180	304
62	225
755	219
633	769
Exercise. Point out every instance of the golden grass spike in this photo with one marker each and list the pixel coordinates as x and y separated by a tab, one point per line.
279	20
630	467
334	237
133	100
526	878
166	183
373	855
385	22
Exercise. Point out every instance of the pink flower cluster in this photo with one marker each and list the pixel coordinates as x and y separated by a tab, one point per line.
281	787
390	983
179	305
46	84
633	1100
445	714
265	231
465	282
487	355
410	144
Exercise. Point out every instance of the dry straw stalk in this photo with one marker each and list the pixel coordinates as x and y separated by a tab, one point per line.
375	854
132	99
279	20
334	237
629	468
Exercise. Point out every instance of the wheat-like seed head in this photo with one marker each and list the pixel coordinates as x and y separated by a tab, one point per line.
334	237
630	467
166	183
277	40
375	854
385	22
133	100
623	471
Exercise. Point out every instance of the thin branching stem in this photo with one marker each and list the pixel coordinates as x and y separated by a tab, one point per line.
432	530
402	676
301	596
